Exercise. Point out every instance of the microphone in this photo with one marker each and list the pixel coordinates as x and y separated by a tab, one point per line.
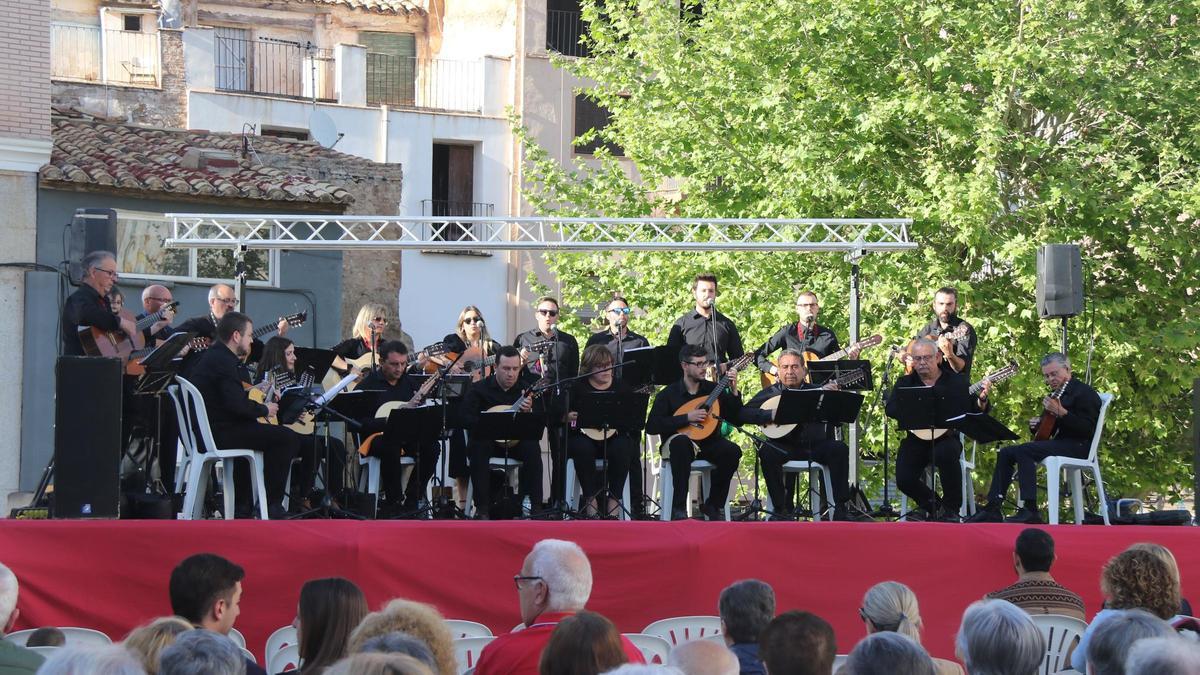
710	302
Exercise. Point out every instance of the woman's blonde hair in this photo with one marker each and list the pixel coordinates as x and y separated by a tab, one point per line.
415	618
1138	578
484	336
147	641
365	314
891	606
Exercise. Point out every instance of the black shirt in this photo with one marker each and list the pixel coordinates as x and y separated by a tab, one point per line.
351	348
693	329
1083	411
618	346
561	361
803	433
963	349
215	374
948	384
820	341
205	326
664	422
487	393
163	333
85	307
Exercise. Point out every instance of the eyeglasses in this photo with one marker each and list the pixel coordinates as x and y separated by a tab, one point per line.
232	302
472	320
517	579
155	297
548	312
923	358
380	319
862	613
700	364
112	274
619	310
807	304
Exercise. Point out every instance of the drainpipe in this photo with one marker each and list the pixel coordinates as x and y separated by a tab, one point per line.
382	146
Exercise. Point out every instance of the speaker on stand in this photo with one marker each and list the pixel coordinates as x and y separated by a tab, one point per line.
91	230
1059	284
87	438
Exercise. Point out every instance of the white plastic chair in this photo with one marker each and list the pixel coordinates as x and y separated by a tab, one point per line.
576	488
1074	471
1061	634
249	655
201	451
511	468
799	466
680	629
74	636
651	646
461	628
369	472
839	661
281	638
288	657
237	637
467	650
666	487
44	650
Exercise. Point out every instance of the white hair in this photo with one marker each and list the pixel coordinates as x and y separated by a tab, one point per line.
565	569
8	595
92	660
998	638
1153	656
212	292
703	657
888	653
643	669
1116	635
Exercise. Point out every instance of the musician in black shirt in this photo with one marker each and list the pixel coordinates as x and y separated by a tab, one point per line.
222	299
706	327
618	339
502	388
956	339
1076	413
680	450
88	306
620	449
154	298
804	335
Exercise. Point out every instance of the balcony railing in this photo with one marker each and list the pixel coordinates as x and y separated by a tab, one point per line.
451	230
89	54
274	68
434	84
563	30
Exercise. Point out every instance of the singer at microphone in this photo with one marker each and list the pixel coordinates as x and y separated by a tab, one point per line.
705	326
805	336
619	338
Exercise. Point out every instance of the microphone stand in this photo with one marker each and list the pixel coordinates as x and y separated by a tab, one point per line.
446	506
327	509
885	509
558	506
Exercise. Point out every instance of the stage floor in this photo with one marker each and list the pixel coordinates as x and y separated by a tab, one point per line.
112	575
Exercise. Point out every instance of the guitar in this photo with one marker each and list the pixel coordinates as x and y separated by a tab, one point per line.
1047	422
958	334
99	342
530	394
334	375
294	320
474	362
780	430
998	375
698	431
263	396
767	379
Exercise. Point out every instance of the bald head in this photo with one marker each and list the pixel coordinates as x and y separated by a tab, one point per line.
704	657
155	296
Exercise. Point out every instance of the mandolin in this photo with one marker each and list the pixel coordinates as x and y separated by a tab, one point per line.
1047	423
364	362
767	379
959	333
530	394
998	375
698	431
780	430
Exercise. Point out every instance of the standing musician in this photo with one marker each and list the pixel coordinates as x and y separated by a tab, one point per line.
914	453
705	327
805	335
559	362
392	381
221	300
620	450
957	355
503	387
89	305
807	442
618	339
368	333
154	298
1075	413
233	417
679	449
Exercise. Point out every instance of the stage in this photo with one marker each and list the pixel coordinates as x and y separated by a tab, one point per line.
112	575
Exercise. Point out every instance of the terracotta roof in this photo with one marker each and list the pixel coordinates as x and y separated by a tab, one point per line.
377	6
121	156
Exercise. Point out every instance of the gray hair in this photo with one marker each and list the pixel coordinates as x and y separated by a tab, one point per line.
746	607
1154	656
891	606
8	595
924	342
212	292
93	259
1056	357
1114	637
399	642
998	638
202	652
703	657
92	660
888	654
567	573
795	353
643	669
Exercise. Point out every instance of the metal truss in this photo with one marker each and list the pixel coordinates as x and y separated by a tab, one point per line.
854	236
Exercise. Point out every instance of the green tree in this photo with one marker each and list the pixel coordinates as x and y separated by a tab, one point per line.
996	127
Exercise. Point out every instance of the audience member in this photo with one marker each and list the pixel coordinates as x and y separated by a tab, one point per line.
206	589
147	641
399	642
798	643
892	607
92	660
14	660
555	581
202	652
703	657
887	653
1111	642
998	638
1036	591
378	663
644	669
583	644
329	609
415	618
1132	579
745	608
1163	656
1164	554
46	636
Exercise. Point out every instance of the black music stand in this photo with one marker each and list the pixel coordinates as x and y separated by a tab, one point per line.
161	365
604	410
637	369
414	428
450	391
315	361
359	404
925	408
821	372
504	425
666	369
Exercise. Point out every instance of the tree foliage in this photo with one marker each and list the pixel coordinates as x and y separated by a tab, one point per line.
996	127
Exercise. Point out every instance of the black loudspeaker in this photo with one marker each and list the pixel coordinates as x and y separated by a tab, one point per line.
1059	281
91	230
87	438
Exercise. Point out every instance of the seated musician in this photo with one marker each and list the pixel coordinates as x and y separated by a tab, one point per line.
154	298
914	453
222	299
501	388
393	383
621	450
279	360
807	442
1075	413
679	449
89	306
234	417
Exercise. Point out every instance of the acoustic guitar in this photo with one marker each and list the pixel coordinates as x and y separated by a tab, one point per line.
116	344
767	379
998	375
959	333
364	362
780	430
1046	424
294	320
698	431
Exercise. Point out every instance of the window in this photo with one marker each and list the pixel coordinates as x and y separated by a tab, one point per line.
391	68
132	22
564	28
590	115
284	132
141	254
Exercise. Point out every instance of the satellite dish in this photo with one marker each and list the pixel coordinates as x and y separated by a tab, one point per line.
322	129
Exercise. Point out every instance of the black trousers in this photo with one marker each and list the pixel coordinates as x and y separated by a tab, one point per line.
279	446
391	471
621	453
312	454
457	466
912	460
558	462
530	473
724	455
832	453
1025	458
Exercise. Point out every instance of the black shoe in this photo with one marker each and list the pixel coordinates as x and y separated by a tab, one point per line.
1025	516
679	514
277	512
711	512
988	514
945	515
848	515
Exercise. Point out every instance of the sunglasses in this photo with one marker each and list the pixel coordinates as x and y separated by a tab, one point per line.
472	320
380	319
619	310
548	312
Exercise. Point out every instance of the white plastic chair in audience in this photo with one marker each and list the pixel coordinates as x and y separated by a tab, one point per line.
1074	468
667	488
248	654
511	468
44	650
288	657
237	637
575	488
74	636
461	628
800	466
651	646
839	661
1060	633
282	637
680	629
467	650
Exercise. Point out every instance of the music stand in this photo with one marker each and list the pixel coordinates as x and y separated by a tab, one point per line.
161	366
666	369
925	408
450	391
504	425
604	410
638	367
821	372
316	361
414	428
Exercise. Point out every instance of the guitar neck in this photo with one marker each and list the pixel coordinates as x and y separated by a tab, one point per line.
263	330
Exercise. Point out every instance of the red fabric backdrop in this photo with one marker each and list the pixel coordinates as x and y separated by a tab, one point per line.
113	575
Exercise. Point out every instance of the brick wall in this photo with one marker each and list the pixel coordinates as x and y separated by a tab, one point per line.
25	68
